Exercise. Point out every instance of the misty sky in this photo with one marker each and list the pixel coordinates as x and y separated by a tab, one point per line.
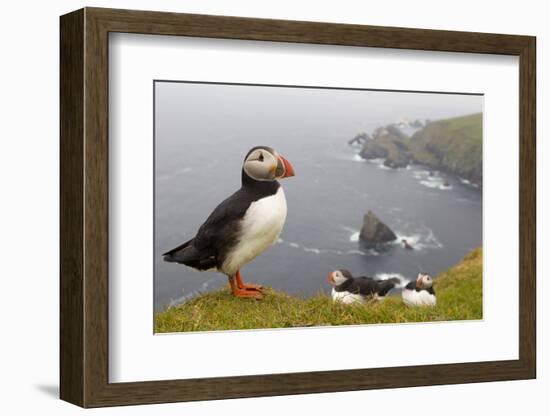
207	108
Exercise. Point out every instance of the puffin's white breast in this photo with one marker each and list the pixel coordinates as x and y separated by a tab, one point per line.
260	228
418	298
347	298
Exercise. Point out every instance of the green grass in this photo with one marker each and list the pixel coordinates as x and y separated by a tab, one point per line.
459	297
453	144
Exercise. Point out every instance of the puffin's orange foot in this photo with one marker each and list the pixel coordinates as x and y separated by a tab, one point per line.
246	286
244	293
251	286
241	292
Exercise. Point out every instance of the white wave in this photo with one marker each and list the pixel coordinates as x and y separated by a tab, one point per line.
468	183
385	276
175	173
377	161
354	237
380	163
431	241
312	250
362	253
354	252
436	183
419	240
315	250
432	180
468	201
355	157
418	174
193	294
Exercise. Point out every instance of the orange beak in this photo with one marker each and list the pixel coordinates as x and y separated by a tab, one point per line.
330	278
289	170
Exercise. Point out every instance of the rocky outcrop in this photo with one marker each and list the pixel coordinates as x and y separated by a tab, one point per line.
387	143
374	233
359	139
452	145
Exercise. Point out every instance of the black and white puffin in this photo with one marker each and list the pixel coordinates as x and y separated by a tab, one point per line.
244	225
420	292
348	289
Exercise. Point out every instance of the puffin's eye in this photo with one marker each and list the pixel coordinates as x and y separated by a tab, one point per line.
261	157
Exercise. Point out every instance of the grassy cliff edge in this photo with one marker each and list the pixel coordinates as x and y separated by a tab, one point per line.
459	297
453	145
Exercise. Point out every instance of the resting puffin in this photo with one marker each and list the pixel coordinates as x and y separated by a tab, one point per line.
348	289
419	292
244	225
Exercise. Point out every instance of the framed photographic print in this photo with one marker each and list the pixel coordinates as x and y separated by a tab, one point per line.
255	207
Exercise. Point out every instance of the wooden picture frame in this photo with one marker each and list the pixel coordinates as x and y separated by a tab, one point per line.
84	207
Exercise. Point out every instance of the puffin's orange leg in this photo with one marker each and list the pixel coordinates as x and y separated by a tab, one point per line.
243	293
246	286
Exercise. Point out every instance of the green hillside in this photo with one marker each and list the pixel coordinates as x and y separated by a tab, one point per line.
454	145
459	297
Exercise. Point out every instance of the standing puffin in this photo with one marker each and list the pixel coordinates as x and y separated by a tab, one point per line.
420	292
244	225
348	289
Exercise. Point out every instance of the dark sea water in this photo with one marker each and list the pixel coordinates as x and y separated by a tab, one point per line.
198	164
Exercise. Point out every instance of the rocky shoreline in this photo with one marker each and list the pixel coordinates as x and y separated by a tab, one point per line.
453	146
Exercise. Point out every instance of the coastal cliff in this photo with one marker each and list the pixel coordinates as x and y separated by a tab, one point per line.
451	145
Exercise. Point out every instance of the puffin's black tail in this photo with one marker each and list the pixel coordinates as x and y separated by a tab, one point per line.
188	254
176	254
384	286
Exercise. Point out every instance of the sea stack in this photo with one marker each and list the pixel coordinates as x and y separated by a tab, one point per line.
374	233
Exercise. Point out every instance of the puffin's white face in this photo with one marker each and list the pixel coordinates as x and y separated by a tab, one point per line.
337	277
265	164
424	281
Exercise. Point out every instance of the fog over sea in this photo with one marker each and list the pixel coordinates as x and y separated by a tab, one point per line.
203	131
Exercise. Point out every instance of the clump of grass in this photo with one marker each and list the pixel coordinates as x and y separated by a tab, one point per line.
459	297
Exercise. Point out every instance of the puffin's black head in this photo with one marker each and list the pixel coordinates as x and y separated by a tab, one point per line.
262	163
337	277
424	281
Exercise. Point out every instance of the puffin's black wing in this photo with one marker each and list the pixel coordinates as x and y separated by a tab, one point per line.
384	286
216	236
368	286
362	285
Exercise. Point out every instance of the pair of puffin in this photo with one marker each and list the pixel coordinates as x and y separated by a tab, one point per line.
348	289
244	225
